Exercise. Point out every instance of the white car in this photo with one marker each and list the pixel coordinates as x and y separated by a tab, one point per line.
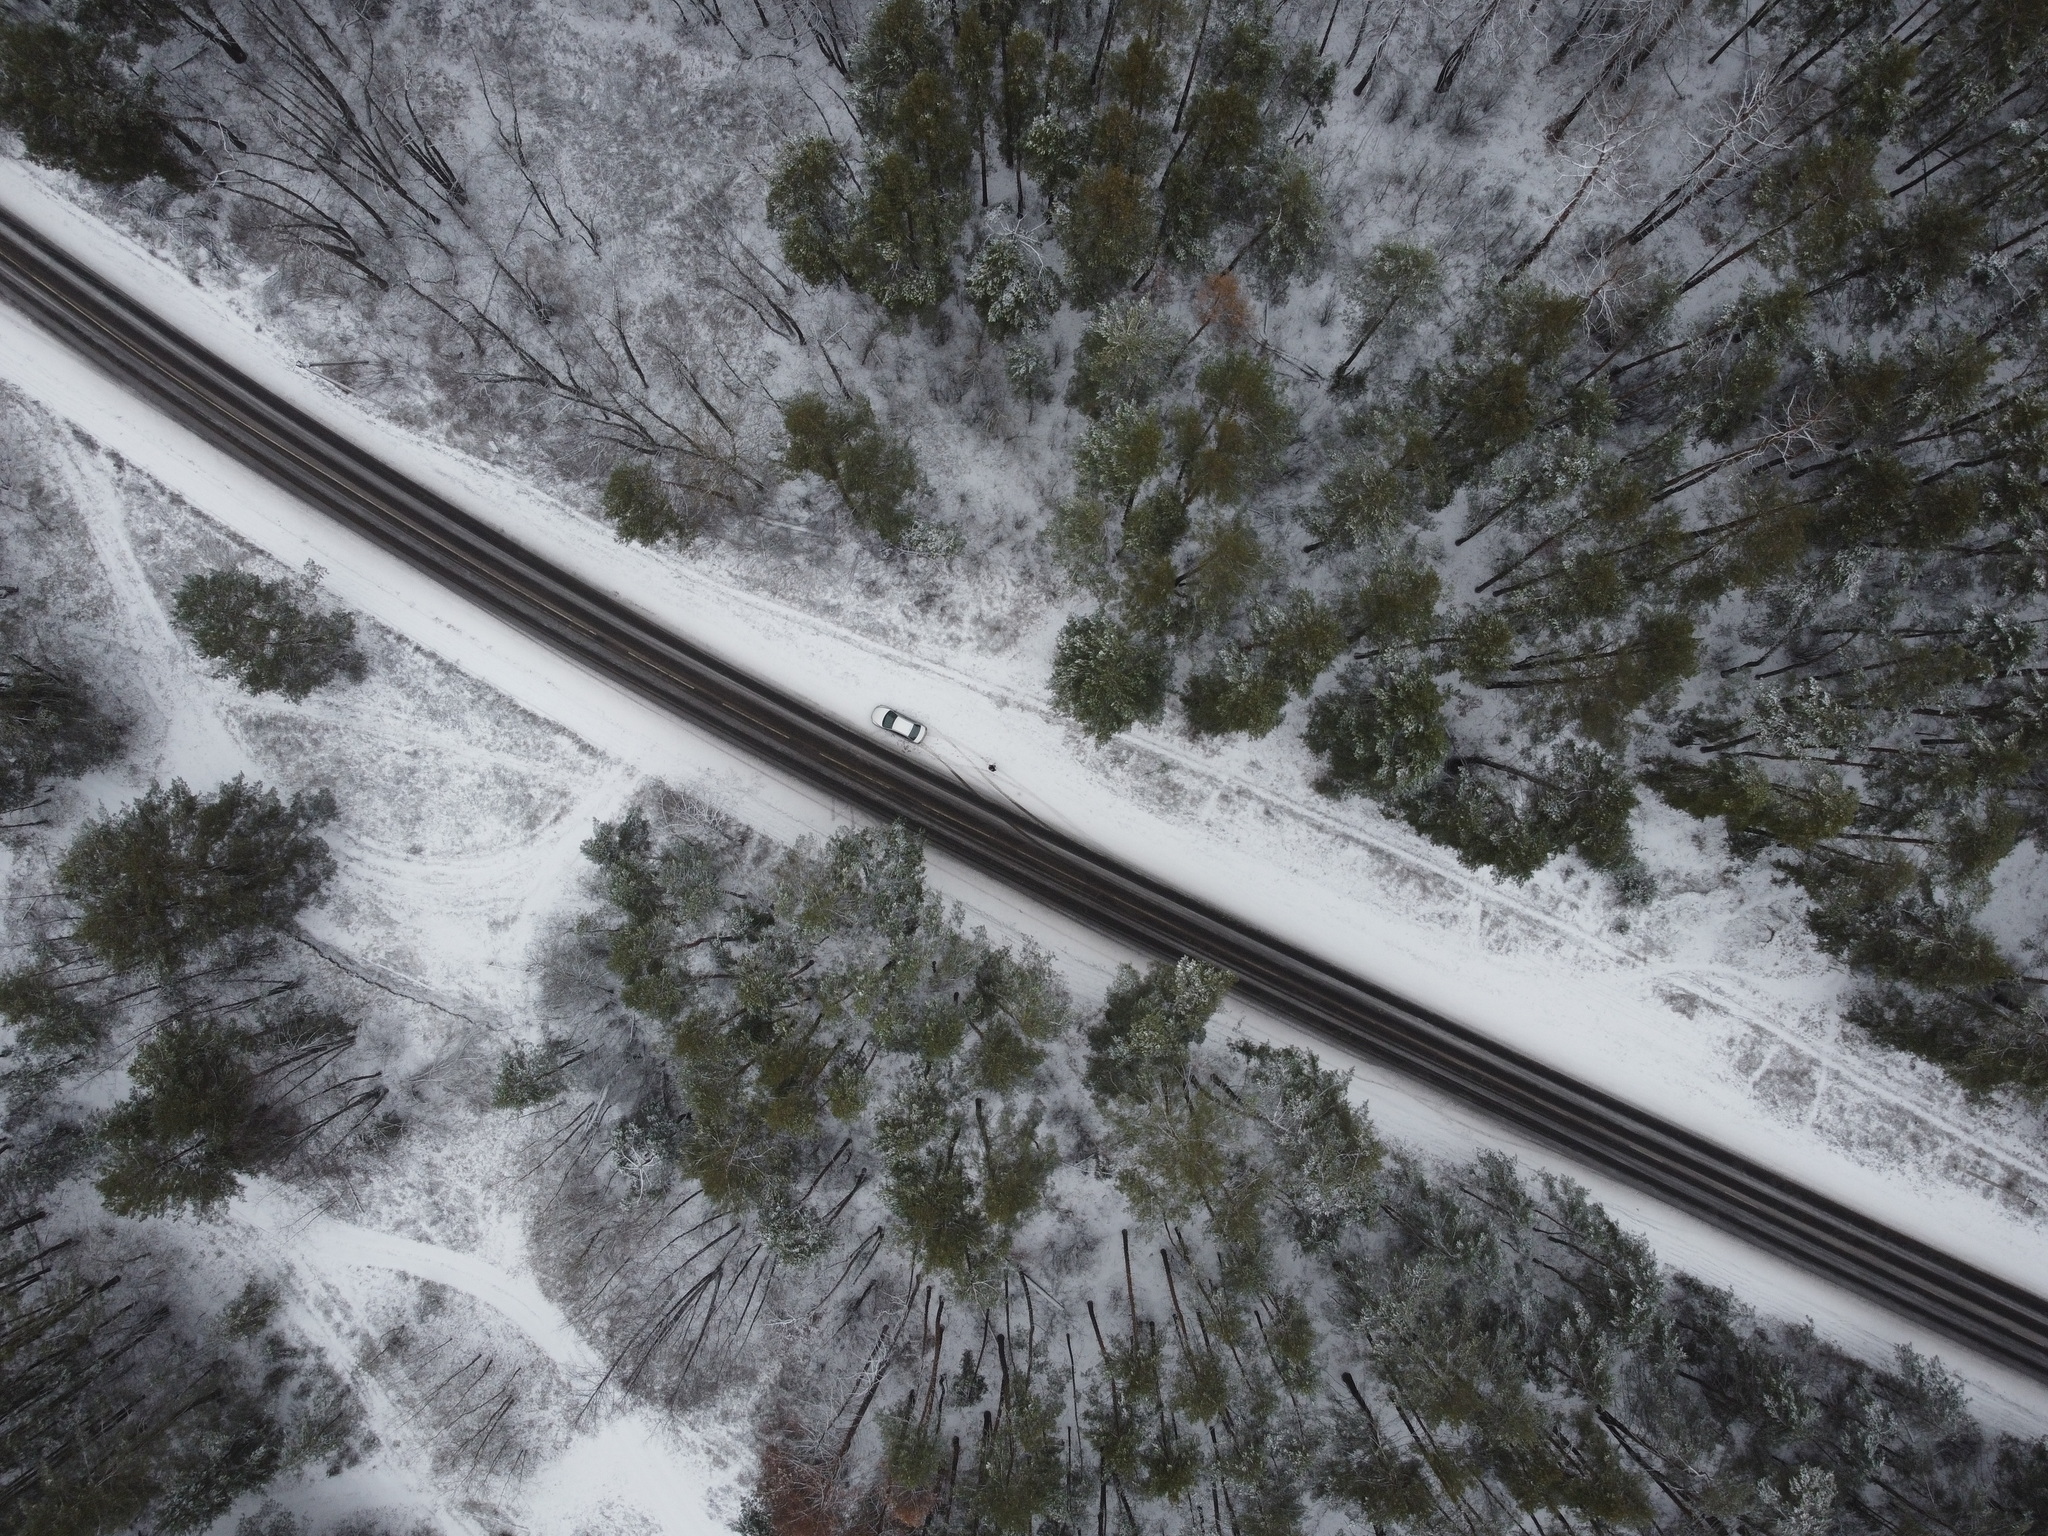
901	725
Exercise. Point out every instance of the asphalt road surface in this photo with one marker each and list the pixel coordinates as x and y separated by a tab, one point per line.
321	467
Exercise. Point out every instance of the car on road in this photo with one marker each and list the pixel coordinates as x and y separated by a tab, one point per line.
901	725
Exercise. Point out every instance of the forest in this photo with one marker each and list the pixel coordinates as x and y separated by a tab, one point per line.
156	943
1533	412
988	1259
970	1253
1542	544
1717	479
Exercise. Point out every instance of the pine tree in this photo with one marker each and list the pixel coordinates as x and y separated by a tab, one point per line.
1230	441
1297	640
1234	696
1885	915
638	505
899	251
65	91
267	635
1990	1039
930	1184
1229	564
809	209
1127	357
875	474
1758	811
176	875
49	729
1020	1468
1150	1023
1011	288
1380	735
1515	820
1106	677
529	1075
1599	686
193	1126
1107	228
128	1408
1386	292
900	244
1231	167
1394	608
1361	504
1023	55
1117	455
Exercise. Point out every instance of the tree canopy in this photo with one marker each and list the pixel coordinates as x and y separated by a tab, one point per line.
267	635
176	875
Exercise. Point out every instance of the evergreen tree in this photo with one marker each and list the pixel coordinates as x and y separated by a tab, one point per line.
1150	1023
1117	455
1231	166
126	1409
809	209
1516	820
267	635
1230	440
1758	811
891	231
1364	502
1395	609
1107	677
830	994
1387	291
49	729
638	505
1020	1471
875	474
1885	916
529	1075
176	874
78	107
1601	684
1107	229
1011	288
900	244
1990	1038
1380	735
1127	357
1234	696
194	1124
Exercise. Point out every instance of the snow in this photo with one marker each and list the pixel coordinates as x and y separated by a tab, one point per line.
462	819
628	1471
632	1471
327	1246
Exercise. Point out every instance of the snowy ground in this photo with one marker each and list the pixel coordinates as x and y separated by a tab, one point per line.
473	761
